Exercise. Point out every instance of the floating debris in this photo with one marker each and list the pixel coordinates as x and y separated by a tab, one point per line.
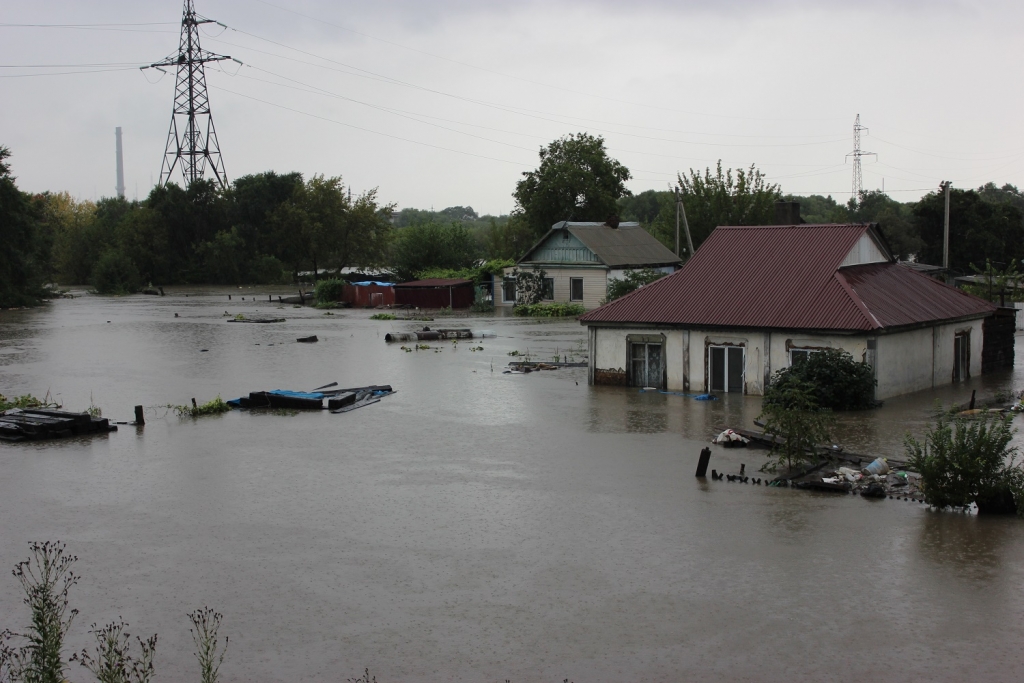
308	340
29	424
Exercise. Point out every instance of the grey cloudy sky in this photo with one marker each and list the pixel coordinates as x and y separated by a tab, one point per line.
446	103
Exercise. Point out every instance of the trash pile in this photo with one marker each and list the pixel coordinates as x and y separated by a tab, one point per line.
731	439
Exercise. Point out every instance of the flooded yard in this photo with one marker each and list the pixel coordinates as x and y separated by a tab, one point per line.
475	526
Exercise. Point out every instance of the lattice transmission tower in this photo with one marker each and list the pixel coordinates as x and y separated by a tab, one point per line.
192	139
857	153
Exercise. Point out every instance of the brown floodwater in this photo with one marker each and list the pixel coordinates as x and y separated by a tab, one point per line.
475	526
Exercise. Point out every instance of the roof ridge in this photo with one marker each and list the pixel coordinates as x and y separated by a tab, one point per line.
857	301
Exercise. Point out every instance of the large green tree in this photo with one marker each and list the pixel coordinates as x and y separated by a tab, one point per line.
432	246
727	197
21	276
576	180
320	227
978	230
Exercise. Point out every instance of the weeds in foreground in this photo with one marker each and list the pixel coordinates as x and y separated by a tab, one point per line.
46	578
28	401
213	407
206	623
114	662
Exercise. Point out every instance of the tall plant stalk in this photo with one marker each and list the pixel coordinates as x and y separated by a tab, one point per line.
206	623
46	578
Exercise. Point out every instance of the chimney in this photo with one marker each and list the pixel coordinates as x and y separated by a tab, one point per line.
787	213
120	164
612	222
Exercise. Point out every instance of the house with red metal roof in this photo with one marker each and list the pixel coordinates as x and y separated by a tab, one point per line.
579	259
755	299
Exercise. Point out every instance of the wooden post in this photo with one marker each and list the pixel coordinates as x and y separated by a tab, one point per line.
140	419
194	404
702	464
973	392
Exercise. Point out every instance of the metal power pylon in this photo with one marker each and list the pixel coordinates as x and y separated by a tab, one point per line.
858	179
192	139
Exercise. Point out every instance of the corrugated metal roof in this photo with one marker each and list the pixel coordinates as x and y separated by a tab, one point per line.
436	282
786	277
627	246
897	295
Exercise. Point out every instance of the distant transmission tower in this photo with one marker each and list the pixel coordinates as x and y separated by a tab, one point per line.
192	140
858	179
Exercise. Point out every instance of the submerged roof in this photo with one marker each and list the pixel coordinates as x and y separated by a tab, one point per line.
791	277
436	282
626	246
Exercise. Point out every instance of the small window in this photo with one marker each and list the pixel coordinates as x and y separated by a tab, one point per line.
800	355
576	289
508	290
548	290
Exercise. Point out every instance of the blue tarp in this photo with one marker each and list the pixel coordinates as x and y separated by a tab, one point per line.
297	394
237	402
373	282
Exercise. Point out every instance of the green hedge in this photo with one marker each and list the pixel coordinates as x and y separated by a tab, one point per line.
549	310
329	291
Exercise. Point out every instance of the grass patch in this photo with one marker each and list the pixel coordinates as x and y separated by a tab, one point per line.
27	401
214	407
549	310
382	316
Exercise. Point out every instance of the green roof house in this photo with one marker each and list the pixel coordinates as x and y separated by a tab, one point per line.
579	259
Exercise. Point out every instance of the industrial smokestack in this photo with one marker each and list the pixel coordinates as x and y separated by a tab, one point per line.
120	164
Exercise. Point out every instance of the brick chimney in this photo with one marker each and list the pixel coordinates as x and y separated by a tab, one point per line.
787	213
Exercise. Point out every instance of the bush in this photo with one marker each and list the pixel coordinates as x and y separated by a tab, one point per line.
838	381
382	316
969	460
115	273
549	310
633	280
329	291
797	419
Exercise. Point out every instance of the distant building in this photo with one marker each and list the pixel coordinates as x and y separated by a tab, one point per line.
580	258
753	300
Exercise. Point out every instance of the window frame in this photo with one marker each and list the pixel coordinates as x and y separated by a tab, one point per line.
806	351
573	280
505	282
544	291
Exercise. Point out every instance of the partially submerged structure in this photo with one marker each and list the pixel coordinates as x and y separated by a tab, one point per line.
756	299
579	259
435	293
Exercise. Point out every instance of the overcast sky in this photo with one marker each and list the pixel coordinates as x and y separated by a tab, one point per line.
448	102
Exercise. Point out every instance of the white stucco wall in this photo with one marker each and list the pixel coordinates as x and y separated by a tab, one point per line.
904	361
922	359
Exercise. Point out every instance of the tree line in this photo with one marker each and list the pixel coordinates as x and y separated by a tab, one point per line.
268	228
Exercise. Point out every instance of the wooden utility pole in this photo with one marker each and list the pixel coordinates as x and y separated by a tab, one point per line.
945	227
677	221
681	210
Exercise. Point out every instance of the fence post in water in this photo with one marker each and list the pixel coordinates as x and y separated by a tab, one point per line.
140	419
702	464
194	404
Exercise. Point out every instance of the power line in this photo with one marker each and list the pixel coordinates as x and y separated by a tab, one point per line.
369	130
145	23
527	80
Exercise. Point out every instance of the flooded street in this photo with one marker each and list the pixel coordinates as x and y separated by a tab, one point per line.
474	526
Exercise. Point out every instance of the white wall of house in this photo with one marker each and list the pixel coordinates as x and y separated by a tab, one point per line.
904	361
595	285
620	273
